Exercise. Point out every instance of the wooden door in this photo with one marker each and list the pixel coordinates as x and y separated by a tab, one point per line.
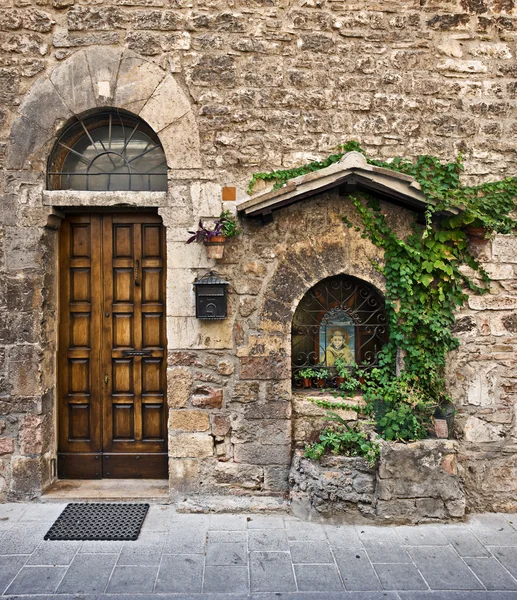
112	347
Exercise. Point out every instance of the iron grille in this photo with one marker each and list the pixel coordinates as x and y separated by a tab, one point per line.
343	317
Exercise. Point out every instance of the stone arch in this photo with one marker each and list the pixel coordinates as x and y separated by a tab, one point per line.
308	262
99	77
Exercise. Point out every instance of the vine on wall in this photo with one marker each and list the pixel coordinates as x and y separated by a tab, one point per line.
425	282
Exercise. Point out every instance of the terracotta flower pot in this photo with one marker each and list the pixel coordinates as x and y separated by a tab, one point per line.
441	429
215	246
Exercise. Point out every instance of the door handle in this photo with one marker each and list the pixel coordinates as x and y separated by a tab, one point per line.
106	379
137	272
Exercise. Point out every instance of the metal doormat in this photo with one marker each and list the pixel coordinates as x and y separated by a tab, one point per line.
99	522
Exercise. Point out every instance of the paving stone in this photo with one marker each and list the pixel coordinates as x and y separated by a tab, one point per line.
325	596
158	518
226	537
383	552
422	535
507	556
23	538
36	580
387	535
443	569
343	536
450	595
265	522
132	580
492	575
180	574
100	547
140	555
271	572
318	578
300	531
226	579
493	530
356	569
185	541
54	553
273	540
88	574
464	541
9	568
10	513
311	552
46	513
228	555
227	522
400	577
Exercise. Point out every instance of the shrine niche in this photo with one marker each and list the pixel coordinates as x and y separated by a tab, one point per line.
340	318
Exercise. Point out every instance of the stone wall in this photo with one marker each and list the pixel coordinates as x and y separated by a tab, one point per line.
231	89
412	483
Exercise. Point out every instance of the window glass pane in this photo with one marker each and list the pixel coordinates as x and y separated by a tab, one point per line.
109	152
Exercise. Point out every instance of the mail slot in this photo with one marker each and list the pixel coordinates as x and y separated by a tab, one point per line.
137	353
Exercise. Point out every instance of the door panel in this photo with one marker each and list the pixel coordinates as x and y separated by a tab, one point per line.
112	393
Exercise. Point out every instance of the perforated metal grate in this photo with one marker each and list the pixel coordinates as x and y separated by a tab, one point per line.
99	522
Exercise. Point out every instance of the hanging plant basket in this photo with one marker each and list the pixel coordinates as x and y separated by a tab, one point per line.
215	246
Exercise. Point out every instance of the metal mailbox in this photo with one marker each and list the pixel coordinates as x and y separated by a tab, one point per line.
211	297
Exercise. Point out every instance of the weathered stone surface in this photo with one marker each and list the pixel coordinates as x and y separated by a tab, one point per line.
239	476
489	302
6	446
31	435
26	477
478	431
245	391
191	445
504	248
220	425
207	397
179	383
189	420
261	454
136	81
266	367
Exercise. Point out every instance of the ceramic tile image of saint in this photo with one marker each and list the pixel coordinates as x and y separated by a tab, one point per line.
338	346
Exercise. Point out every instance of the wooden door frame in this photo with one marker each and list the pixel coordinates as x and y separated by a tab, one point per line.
97	213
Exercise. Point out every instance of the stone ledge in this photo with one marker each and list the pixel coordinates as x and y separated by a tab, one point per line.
232	504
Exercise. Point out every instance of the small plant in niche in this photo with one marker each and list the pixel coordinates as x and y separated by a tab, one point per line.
214	236
310	375
345	440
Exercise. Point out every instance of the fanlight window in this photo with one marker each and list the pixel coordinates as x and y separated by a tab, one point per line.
109	151
340	317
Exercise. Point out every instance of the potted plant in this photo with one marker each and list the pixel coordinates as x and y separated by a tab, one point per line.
214	236
322	374
305	376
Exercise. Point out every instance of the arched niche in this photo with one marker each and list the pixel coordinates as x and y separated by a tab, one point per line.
341	317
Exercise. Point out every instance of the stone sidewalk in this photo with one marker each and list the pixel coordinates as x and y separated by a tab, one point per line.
268	557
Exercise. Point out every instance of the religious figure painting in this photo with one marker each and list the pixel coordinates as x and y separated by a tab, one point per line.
337	340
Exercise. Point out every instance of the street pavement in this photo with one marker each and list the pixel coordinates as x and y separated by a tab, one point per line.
259	557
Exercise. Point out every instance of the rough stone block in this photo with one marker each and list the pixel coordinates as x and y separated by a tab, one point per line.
6	446
183	473
264	367
236	475
489	302
504	248
179	383
189	420
31	435
103	64
245	391
207	397
180	141
261	454
276	479
476	430
26	478
220	425
191	445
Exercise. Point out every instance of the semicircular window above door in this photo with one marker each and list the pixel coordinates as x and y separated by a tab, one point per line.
108	151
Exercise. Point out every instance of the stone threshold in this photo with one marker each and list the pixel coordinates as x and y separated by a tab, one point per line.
81	490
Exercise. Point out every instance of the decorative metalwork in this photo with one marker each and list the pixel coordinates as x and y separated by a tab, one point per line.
108	151
340	317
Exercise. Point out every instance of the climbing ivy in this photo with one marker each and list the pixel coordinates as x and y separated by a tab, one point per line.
425	281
